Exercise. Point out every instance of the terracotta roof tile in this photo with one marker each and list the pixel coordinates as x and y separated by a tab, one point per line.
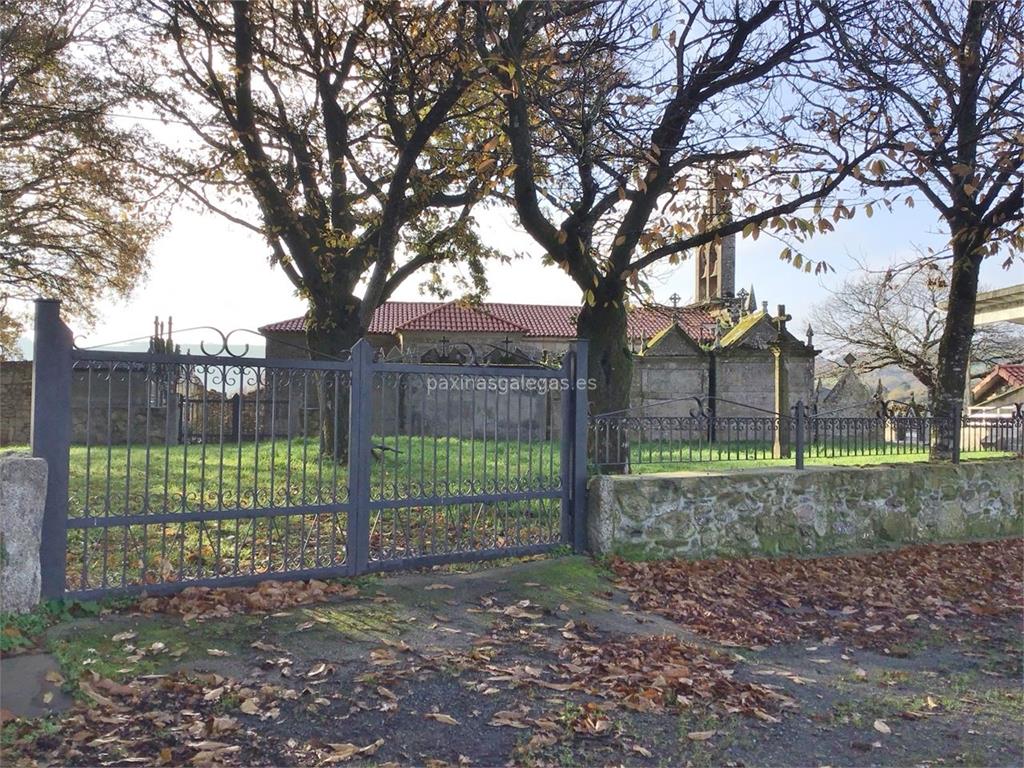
1013	374
539	320
460	318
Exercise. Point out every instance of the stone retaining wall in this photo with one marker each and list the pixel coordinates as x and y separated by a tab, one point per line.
22	498
816	510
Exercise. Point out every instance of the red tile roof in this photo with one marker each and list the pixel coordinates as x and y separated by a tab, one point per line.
543	320
1001	375
461	318
1014	374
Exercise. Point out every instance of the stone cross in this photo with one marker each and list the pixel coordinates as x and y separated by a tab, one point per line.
781	319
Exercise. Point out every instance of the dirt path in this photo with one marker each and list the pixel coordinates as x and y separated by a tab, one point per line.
538	663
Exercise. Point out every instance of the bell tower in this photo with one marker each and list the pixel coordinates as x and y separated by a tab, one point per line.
716	261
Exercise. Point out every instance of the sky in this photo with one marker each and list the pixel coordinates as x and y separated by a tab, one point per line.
207	271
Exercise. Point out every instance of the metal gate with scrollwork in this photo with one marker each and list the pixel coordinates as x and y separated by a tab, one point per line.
171	470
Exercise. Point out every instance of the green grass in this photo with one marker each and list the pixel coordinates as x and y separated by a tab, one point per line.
308	487
122	480
22	630
727	464
307	490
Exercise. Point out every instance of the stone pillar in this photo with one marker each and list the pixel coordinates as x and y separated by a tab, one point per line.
22	500
781	445
783	435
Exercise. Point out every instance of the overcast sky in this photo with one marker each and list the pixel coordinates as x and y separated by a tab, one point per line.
208	272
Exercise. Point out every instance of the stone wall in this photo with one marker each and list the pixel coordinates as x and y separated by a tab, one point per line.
748	376
813	511
106	408
15	402
22	498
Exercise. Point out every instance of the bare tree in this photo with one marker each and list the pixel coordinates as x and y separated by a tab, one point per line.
938	85
897	318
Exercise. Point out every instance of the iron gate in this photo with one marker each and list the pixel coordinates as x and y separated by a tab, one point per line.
176	470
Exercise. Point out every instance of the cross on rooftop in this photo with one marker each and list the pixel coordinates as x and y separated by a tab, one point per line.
781	319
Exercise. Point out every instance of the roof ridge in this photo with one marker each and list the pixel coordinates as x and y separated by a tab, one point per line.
424	313
457	305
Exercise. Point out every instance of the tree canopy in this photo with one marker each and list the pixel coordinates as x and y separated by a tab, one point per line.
346	134
619	121
937	86
75	221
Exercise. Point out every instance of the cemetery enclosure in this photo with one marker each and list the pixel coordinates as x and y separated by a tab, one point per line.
162	476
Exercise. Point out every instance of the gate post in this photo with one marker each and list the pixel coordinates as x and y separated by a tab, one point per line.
359	457
580	411
567	444
51	438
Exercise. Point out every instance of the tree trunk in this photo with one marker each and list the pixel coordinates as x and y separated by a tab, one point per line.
330	335
611	368
955	348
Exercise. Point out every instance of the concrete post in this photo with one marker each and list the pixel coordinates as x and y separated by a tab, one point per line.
22	501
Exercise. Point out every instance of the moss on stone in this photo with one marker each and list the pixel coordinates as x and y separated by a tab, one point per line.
817	511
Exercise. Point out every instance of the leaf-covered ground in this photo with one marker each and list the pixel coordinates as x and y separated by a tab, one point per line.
559	662
875	601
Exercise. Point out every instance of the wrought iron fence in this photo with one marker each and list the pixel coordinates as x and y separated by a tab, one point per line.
628	441
169	470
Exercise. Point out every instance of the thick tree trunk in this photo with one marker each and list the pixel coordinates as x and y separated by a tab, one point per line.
955	348
611	368
330	335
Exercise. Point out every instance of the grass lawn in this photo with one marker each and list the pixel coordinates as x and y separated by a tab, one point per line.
312	489
739	464
308	493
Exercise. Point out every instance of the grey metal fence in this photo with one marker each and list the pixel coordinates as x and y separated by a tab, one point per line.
174	470
626	441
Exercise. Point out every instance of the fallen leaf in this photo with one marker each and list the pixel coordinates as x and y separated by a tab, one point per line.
882	727
700	735
217	652
432	587
223	724
508	719
442	718
250	707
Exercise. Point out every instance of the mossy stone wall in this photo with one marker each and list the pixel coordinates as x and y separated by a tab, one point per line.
813	511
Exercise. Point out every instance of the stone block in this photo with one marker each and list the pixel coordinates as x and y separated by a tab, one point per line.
22	499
